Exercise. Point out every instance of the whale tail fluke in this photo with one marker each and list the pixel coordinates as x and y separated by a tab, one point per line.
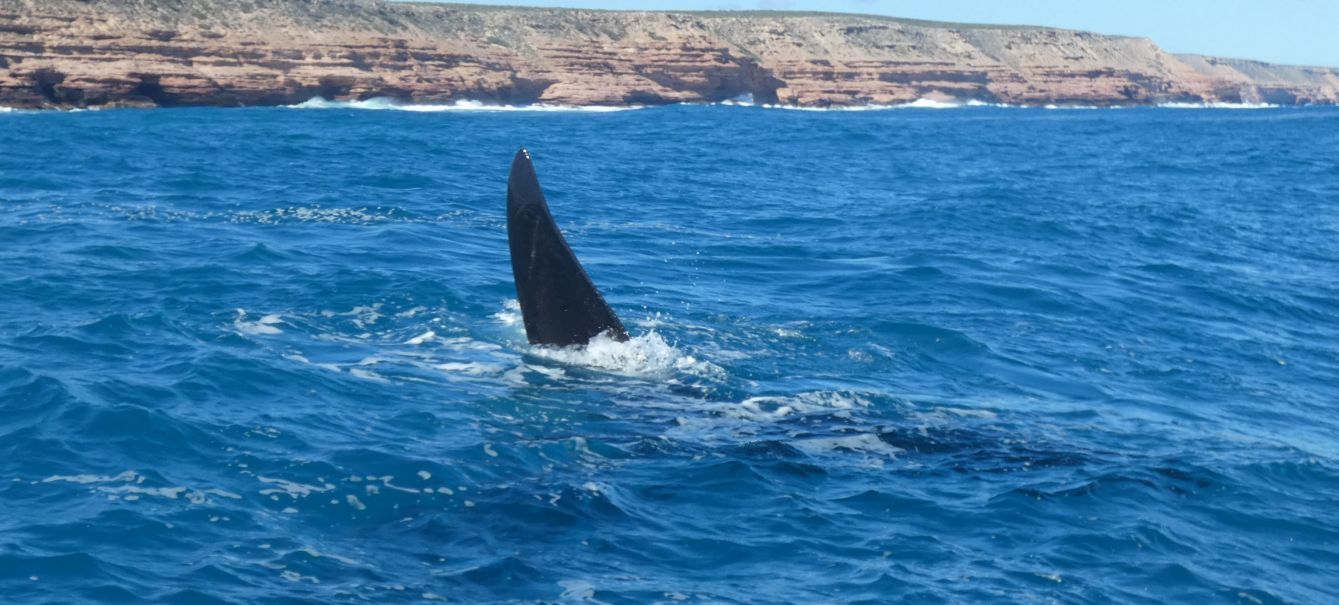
559	303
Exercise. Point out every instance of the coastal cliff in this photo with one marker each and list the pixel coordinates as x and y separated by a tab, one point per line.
83	53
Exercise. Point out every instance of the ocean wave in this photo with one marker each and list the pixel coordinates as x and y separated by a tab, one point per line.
647	355
961	104
771	408
317	214
510	314
930	104
1218	105
264	325
128	486
1007	362
388	104
917	104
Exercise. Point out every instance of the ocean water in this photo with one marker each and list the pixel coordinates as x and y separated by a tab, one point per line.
977	355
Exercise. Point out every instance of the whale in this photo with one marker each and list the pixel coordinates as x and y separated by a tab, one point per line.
560	305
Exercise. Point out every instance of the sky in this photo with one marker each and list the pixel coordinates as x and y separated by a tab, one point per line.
1300	32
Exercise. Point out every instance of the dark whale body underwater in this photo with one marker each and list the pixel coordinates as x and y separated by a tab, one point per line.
559	302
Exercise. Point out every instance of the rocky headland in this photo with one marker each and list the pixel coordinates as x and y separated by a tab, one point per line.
88	53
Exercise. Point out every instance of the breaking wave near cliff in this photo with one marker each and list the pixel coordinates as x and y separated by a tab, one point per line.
951	103
388	104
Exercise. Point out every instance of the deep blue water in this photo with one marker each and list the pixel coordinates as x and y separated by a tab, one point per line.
963	356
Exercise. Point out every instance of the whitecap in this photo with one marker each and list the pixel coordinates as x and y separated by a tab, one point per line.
127	476
471	368
293	576
343	216
579	590
1217	105
930	104
977	103
322	103
292	489
478	106
917	104
421	338
744	100
170	493
868	444
771	408
510	314
312	552
264	325
414	312
388	104
645	355
747	101
368	375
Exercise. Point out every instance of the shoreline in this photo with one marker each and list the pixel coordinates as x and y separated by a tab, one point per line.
387	104
175	53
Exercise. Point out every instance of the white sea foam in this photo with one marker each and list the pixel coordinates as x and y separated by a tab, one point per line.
170	493
931	104
776	416
422	338
291	488
368	375
976	103
128	486
125	477
645	355
387	104
868	444
510	314
744	100
342	216
264	325
917	104
1218	105
414	312
747	101
773	408
312	552
473	368
577	590
293	576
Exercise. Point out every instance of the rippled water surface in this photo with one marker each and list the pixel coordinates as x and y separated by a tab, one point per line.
958	356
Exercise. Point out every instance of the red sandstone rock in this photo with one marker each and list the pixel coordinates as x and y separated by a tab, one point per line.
75	53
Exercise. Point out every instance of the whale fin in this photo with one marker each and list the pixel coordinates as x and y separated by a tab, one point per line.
559	303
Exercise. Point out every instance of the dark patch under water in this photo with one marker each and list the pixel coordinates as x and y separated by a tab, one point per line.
975	355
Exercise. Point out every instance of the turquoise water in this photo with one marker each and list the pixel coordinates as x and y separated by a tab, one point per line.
960	356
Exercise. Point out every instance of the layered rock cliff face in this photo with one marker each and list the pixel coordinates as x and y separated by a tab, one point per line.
73	53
